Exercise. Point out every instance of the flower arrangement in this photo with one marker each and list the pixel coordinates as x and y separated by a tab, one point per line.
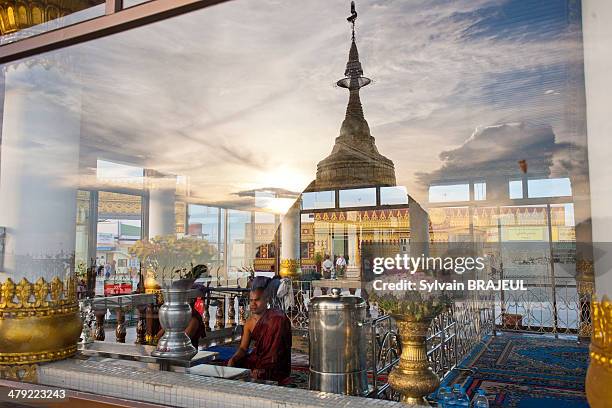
81	269
171	258
413	304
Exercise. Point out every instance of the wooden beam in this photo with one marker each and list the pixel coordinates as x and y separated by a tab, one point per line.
115	22
113	6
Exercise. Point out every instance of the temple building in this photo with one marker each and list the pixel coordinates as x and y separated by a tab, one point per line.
354	207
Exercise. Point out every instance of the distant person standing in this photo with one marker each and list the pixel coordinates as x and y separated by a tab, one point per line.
340	266
250	280
327	268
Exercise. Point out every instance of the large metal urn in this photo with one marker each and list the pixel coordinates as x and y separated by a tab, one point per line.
174	317
338	330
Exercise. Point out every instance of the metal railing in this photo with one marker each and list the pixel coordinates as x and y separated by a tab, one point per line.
298	314
451	337
556	307
224	310
385	349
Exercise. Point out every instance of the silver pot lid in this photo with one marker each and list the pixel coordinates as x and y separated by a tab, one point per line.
336	301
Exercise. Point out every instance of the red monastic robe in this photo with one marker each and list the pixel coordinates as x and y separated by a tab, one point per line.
270	359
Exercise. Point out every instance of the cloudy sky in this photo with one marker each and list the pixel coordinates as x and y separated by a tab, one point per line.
240	96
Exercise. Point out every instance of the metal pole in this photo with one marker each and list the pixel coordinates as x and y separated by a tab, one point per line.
374	352
502	299
552	271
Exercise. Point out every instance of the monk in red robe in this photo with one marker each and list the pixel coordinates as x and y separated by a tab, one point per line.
270	331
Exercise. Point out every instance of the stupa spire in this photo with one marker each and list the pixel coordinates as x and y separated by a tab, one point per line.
354	160
354	121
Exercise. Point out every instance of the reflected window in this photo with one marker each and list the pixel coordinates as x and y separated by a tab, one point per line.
262	217
515	189
182	185
449	192
238	223
81	250
393	195
556	187
119	226
359	197
318	199
271	201
115	173
204	222
480	191
307	218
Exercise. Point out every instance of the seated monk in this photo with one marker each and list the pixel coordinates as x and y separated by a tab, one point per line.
270	330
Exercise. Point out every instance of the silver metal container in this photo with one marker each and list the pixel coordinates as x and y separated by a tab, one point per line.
174	317
337	329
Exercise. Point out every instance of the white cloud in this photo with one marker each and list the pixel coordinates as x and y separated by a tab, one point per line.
229	94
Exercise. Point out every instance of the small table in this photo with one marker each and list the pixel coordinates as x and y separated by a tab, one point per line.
229	373
142	353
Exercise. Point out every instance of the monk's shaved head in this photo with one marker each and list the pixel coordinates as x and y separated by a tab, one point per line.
258	301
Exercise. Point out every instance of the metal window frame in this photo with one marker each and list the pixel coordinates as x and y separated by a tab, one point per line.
115	20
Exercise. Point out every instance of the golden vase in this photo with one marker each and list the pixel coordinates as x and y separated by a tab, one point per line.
599	374
413	378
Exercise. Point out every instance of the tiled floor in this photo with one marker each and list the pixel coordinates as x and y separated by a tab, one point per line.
185	390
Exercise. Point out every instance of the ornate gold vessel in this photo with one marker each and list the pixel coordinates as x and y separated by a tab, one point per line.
38	322
413	378
289	268
150	283
599	374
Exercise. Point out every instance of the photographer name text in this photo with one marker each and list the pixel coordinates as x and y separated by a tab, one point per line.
432	286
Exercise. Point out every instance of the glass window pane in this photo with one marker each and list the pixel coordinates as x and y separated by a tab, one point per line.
393	195
203	223
318	199
480	191
515	188
447	193
239	222
81	253
358	197
119	227
557	187
119	175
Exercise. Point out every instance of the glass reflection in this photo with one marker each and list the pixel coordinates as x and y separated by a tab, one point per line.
362	197
318	200
506	123
393	195
447	193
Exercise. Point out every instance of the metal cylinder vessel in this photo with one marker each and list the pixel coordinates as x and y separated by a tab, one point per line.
337	330
174	317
